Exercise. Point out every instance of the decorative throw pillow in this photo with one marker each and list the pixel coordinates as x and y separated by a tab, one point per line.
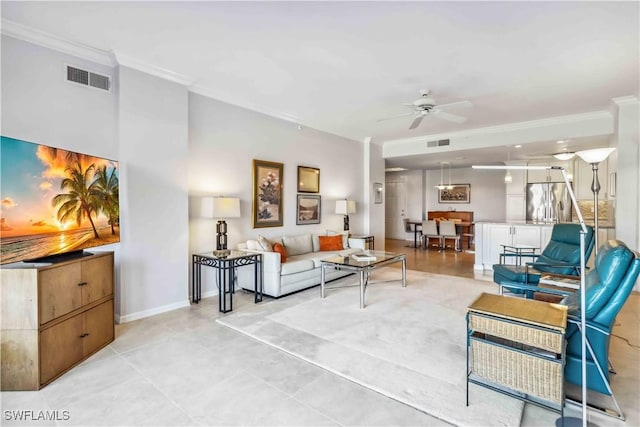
331	243
266	245
344	234
253	245
281	250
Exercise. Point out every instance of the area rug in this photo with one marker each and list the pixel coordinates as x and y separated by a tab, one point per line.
408	343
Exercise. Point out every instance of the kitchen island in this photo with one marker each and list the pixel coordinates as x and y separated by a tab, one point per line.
490	236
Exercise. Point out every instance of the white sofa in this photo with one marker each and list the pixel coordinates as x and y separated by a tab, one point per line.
302	267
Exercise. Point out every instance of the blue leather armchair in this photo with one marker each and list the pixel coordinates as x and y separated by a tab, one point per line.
608	286
560	256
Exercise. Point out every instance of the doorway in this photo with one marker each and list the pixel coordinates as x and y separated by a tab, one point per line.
395	209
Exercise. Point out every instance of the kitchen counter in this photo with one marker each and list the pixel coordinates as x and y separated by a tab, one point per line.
601	224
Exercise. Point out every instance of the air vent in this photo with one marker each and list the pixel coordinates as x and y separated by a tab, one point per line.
88	78
438	143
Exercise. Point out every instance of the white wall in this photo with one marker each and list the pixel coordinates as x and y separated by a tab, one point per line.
153	134
488	193
39	106
375	224
223	141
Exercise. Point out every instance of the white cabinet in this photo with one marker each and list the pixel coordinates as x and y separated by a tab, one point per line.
515	195
495	235
516	207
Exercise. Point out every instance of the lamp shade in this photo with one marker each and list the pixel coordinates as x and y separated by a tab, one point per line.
220	207
596	155
564	156
345	207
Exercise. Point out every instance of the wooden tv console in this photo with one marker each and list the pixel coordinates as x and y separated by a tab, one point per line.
54	315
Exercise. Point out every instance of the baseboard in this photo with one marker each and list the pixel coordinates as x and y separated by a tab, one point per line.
151	312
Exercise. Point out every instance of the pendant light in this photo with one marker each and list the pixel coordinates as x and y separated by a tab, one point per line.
441	186
508	179
449	187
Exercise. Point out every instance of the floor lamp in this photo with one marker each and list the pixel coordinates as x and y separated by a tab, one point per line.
594	157
569	421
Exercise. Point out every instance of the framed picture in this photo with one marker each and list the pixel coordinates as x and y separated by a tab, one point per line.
308	179
377	192
308	210
267	193
460	193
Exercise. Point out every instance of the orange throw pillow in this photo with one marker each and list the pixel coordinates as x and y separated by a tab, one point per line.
330	243
277	247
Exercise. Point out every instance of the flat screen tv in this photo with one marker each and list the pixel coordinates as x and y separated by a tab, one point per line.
54	201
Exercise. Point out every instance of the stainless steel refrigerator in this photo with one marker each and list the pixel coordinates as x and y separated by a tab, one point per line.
548	202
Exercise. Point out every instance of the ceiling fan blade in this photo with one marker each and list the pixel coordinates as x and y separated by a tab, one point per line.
451	117
459	104
395	117
417	121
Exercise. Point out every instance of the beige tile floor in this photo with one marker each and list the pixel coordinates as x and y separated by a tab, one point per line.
183	368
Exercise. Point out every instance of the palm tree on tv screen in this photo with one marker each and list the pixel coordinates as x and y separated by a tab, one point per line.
79	202
105	190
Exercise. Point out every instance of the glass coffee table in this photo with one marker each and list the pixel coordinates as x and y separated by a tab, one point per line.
363	267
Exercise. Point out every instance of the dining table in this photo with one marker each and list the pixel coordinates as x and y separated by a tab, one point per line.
417	228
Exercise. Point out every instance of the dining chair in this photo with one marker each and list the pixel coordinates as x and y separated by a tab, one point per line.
430	231
447	231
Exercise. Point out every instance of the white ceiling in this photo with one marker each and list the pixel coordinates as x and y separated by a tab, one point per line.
341	66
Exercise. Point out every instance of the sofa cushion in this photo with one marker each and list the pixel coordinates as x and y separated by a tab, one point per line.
277	247
296	266
266	245
253	245
296	245
330	243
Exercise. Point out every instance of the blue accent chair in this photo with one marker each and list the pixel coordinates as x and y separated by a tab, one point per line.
560	256
608	286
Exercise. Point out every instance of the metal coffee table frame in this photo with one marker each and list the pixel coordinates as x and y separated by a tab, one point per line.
363	268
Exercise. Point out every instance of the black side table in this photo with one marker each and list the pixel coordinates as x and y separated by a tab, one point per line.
225	275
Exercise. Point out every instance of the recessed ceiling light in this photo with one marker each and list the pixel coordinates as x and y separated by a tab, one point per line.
561	141
518	146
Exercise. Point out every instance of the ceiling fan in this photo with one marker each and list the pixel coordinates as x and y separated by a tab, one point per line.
426	105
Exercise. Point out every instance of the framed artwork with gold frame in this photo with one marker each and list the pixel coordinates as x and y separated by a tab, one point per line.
308	179
267	193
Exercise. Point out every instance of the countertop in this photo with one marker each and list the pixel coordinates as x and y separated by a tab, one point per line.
601	224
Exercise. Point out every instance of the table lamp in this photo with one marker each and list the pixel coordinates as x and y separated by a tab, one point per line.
221	208
345	207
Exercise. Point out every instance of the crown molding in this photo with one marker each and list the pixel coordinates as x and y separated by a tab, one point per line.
81	50
147	68
625	100
210	93
518	126
48	40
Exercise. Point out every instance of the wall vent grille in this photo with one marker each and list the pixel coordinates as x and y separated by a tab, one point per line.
88	78
438	143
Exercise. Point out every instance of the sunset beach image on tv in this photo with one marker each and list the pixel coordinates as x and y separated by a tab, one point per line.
55	201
